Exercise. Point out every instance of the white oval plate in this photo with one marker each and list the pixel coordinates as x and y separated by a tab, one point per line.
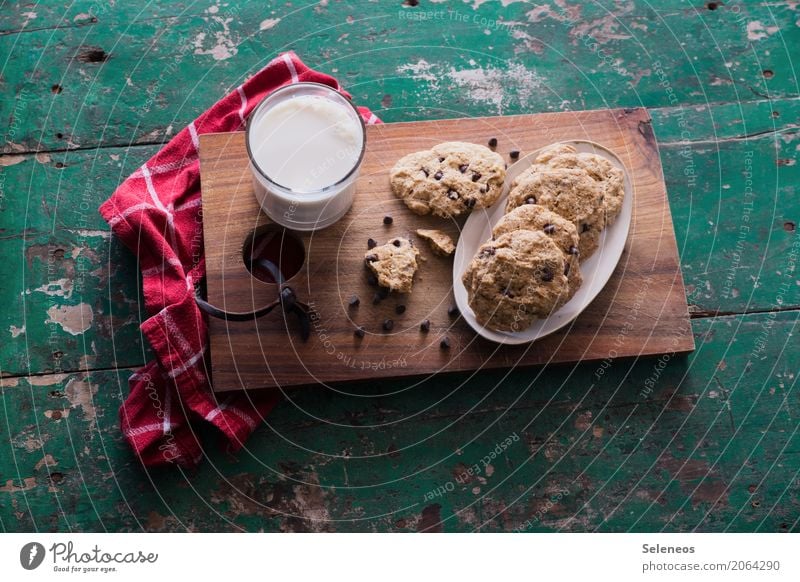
596	270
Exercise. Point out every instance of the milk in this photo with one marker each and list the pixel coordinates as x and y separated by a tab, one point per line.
306	143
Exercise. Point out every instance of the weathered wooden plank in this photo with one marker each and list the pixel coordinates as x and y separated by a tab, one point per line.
705	442
706	183
539	59
71	302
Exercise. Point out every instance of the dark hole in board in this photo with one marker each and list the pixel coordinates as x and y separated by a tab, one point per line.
789	226
712	5
60	136
767	74
56	89
93	55
273	254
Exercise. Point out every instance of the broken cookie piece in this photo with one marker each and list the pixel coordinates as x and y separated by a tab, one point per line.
440	242
394	264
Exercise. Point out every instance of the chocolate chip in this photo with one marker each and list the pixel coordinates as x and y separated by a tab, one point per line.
476	176
573	250
445	343
513	154
530	200
371	258
354	301
438	175
371	243
493	142
387	220
376	298
400	309
452	195
508	293
470	202
441	160
463	168
584	227
396	242
359	332
549	228
566	269
383	292
485	189
547	275
425	171
388	324
453	311
425	326
488	251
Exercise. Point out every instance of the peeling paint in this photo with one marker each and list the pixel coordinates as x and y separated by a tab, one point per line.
74	319
59	288
6	161
80	394
225	46
11	487
488	85
268	23
46	461
48	380
757	31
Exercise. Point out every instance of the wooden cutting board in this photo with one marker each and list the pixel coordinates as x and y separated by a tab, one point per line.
641	311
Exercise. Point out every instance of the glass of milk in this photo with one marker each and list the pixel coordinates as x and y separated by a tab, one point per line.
305	143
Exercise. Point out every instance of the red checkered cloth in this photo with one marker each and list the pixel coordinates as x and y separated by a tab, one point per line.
157	213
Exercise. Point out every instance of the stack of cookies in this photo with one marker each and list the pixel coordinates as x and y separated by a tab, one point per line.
555	212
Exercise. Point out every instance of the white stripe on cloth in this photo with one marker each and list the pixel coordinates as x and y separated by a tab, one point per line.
214	413
290	65
243	97
172	261
189	364
145	428
165	168
245	417
188	205
184	347
167	403
195	139
373	119
130	210
152	190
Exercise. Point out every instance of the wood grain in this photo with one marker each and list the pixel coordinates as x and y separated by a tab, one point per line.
641	311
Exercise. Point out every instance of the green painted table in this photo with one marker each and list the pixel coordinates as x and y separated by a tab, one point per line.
705	442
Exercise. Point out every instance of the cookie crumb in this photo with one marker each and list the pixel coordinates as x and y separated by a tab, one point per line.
425	326
513	154
400	309
371	243
493	142
359	332
440	242
445	343
388	324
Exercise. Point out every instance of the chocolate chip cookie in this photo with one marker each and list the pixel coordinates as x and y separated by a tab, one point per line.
559	229
514	279
569	192
609	177
449	180
394	264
